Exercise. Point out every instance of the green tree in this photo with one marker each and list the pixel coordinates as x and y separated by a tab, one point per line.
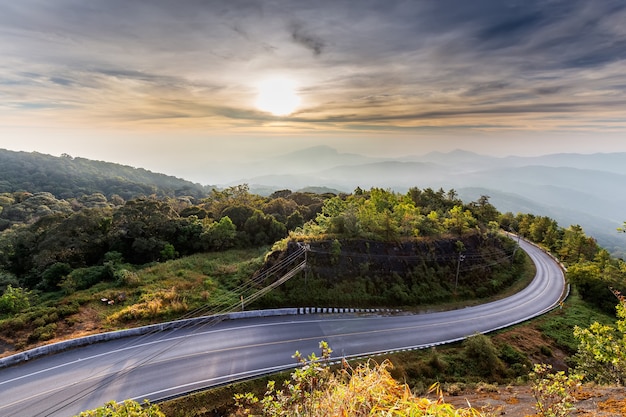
53	275
483	210
576	246
220	235
459	221
168	252
593	284
294	220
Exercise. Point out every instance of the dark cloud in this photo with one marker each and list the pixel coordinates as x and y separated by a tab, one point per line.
300	36
510	32
61	81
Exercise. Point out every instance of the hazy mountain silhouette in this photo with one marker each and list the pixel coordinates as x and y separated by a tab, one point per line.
589	190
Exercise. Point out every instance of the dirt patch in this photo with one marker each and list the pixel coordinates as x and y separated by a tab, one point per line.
537	347
518	401
87	322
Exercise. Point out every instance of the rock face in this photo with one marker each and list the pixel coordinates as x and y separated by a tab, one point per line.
404	273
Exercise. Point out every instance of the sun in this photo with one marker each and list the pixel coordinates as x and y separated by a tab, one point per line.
277	96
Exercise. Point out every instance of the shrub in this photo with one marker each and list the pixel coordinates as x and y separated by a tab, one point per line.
481	355
601	352
128	408
366	390
14	300
553	392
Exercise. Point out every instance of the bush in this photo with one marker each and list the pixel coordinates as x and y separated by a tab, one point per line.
14	300
481	355
84	278
601	352
43	333
554	392
128	408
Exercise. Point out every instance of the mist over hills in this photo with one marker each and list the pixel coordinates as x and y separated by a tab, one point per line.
584	189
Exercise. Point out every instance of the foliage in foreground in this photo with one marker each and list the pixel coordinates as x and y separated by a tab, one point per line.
602	348
314	390
553	391
128	408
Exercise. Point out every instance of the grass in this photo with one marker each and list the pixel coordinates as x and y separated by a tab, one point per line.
559	324
158	292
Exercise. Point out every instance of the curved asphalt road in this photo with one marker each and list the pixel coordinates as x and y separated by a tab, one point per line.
177	361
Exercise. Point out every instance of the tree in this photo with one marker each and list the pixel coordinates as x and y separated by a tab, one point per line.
576	246
483	210
169	252
53	275
220	235
459	220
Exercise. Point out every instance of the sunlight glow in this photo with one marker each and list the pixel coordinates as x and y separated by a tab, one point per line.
277	96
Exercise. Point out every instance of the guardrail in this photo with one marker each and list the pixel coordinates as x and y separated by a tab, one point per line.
153	328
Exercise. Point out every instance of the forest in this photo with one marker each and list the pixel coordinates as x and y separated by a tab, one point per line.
49	244
68	177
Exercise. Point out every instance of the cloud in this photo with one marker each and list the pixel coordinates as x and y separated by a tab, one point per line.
387	62
301	37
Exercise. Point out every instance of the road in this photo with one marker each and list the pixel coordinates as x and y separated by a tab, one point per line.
161	365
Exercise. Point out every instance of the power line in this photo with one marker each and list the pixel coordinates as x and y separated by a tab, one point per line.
193	327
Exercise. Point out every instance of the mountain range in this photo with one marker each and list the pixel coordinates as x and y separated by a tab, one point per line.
584	189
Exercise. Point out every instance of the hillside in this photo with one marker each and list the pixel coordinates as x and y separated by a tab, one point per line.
68	177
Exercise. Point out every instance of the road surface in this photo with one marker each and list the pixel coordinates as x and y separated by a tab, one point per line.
169	363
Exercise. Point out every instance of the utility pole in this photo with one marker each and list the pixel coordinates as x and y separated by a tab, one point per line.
306	264
458	268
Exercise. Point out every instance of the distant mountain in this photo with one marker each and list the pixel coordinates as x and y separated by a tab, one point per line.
589	190
610	162
301	162
458	160
67	177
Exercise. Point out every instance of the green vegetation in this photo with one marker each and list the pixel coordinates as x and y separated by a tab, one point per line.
128	408
554	392
86	180
87	246
601	352
590	268
559	325
202	283
45	238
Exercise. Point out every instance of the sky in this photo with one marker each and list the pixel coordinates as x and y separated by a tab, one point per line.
173	86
